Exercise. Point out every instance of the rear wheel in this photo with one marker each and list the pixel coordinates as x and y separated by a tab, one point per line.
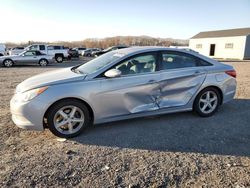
59	58
43	62
8	63
68	118
207	102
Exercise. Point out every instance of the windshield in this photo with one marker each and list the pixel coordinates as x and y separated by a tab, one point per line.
22	53
99	62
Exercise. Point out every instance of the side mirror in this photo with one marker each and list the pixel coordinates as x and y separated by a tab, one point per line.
113	73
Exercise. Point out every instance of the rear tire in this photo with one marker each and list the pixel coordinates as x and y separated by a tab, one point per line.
59	58
207	102
68	118
8	63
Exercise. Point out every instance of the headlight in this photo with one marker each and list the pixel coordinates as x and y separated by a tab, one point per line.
28	95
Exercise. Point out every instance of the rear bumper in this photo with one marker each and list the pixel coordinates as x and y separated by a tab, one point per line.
229	90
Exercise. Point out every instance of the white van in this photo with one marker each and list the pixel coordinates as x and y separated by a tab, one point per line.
2	50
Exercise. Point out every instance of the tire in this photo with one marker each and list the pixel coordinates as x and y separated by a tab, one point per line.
206	106
43	62
8	63
59	58
60	119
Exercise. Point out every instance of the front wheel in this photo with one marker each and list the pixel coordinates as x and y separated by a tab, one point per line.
68	118
43	62
207	102
8	63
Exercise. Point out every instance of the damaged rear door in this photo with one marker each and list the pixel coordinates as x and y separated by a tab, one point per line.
135	91
181	77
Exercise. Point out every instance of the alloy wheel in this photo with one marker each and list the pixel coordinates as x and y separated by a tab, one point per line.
8	63
43	63
208	102
69	119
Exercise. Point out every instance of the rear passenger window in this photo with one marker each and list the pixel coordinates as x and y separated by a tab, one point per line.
175	60
57	47
50	47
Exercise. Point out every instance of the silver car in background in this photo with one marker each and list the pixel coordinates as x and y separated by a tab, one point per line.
26	58
122	84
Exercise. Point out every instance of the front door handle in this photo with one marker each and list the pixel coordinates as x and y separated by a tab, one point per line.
152	81
198	72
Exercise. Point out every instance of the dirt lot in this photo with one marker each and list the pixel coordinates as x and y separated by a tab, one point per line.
177	150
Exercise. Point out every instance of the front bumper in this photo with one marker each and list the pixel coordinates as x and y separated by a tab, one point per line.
27	115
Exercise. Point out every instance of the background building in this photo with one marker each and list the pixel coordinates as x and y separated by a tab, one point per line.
225	44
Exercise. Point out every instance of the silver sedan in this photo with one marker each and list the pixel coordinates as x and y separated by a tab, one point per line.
26	58
122	84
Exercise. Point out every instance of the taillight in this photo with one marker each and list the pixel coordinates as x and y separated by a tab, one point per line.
231	73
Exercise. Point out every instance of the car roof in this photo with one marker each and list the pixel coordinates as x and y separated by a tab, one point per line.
141	49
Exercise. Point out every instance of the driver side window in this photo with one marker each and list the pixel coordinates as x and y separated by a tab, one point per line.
138	64
30	53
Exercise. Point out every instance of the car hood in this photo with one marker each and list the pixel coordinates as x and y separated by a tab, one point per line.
60	76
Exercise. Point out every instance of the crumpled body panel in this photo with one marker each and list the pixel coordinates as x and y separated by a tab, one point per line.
149	92
177	88
123	96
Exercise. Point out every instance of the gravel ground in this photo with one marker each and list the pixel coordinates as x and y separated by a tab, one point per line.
176	150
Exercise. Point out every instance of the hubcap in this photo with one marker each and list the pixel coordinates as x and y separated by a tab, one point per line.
59	59
8	63
208	102
43	63
69	119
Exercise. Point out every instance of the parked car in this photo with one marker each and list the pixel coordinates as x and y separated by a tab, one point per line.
27	57
80	50
98	53
58	52
90	51
73	53
2	50
15	51
122	84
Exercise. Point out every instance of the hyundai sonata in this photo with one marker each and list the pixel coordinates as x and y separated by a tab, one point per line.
122	84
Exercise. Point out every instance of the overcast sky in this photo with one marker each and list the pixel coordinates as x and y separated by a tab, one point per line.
54	20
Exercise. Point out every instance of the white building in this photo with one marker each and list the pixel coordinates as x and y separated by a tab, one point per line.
225	44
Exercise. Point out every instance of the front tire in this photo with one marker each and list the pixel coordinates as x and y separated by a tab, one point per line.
68	118
43	62
8	63
207	102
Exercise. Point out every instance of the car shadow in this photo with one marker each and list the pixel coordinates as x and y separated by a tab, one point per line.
225	133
